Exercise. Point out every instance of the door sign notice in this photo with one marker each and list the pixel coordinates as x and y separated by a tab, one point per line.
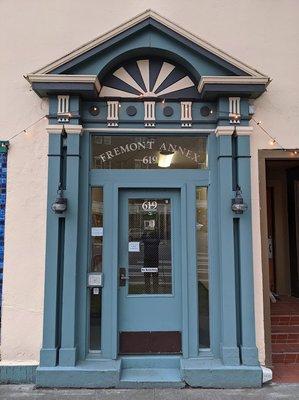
151	269
97	231
134	247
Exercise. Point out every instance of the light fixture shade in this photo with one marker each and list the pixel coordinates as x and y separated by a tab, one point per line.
238	204
60	204
165	159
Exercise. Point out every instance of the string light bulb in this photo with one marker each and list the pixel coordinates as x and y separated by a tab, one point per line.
259	122
272	142
163	101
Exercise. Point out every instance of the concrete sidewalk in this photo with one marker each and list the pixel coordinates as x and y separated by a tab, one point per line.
268	392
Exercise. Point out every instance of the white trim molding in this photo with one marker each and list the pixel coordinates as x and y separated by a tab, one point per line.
112	117
69	129
244	130
186	113
56	78
73	129
55	129
232	80
134	21
149	113
224	130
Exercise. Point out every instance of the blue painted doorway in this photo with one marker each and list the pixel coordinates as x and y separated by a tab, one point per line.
150	295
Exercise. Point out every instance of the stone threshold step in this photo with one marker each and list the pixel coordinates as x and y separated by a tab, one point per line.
151	377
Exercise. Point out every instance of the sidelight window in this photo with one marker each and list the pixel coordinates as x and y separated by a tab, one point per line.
202	262
95	296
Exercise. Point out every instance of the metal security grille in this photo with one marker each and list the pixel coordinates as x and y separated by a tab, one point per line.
150	265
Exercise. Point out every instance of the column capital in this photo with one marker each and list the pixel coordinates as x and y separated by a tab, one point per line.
224	130
73	129
69	129
244	130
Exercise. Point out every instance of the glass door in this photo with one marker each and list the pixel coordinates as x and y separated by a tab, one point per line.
149	272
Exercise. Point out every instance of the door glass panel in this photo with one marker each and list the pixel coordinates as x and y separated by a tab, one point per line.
96	229
95	294
135	152
202	258
149	247
95	319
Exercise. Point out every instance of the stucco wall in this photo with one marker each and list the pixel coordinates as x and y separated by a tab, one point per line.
262	33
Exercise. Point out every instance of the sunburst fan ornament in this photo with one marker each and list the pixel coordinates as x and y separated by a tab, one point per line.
149	78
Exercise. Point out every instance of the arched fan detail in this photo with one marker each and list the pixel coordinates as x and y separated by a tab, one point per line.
149	78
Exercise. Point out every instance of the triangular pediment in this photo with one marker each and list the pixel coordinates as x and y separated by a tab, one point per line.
150	35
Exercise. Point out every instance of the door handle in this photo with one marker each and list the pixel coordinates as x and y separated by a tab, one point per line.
122	277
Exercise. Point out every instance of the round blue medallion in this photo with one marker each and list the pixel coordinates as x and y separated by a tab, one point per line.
168	111
131	111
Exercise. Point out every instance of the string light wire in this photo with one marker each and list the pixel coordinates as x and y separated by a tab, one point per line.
25	130
273	140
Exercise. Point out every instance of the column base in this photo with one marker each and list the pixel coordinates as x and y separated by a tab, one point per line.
48	357
249	356
100	374
230	355
67	357
213	374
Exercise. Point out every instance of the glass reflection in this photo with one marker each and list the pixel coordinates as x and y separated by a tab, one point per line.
135	152
150	266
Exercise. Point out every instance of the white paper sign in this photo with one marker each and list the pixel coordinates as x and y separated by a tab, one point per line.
95	279
97	231
134	247
147	269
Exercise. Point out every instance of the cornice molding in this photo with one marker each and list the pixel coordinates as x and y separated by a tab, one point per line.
224	130
232	80
73	129
54	129
56	78
69	129
134	21
244	130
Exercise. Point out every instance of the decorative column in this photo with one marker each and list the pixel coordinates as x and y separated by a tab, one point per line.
249	353
67	352
48	354
229	346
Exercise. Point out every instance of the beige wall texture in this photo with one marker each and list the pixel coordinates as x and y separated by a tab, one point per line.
262	33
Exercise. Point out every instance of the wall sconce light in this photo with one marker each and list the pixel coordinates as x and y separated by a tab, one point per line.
238	205
165	158
60	204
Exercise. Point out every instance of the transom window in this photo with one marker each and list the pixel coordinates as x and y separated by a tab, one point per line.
144	152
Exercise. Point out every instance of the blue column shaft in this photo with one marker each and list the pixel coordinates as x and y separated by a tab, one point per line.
67	353
249	353
48	355
229	348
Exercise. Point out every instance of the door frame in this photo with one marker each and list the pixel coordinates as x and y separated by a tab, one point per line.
293	246
113	180
172	299
263	156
